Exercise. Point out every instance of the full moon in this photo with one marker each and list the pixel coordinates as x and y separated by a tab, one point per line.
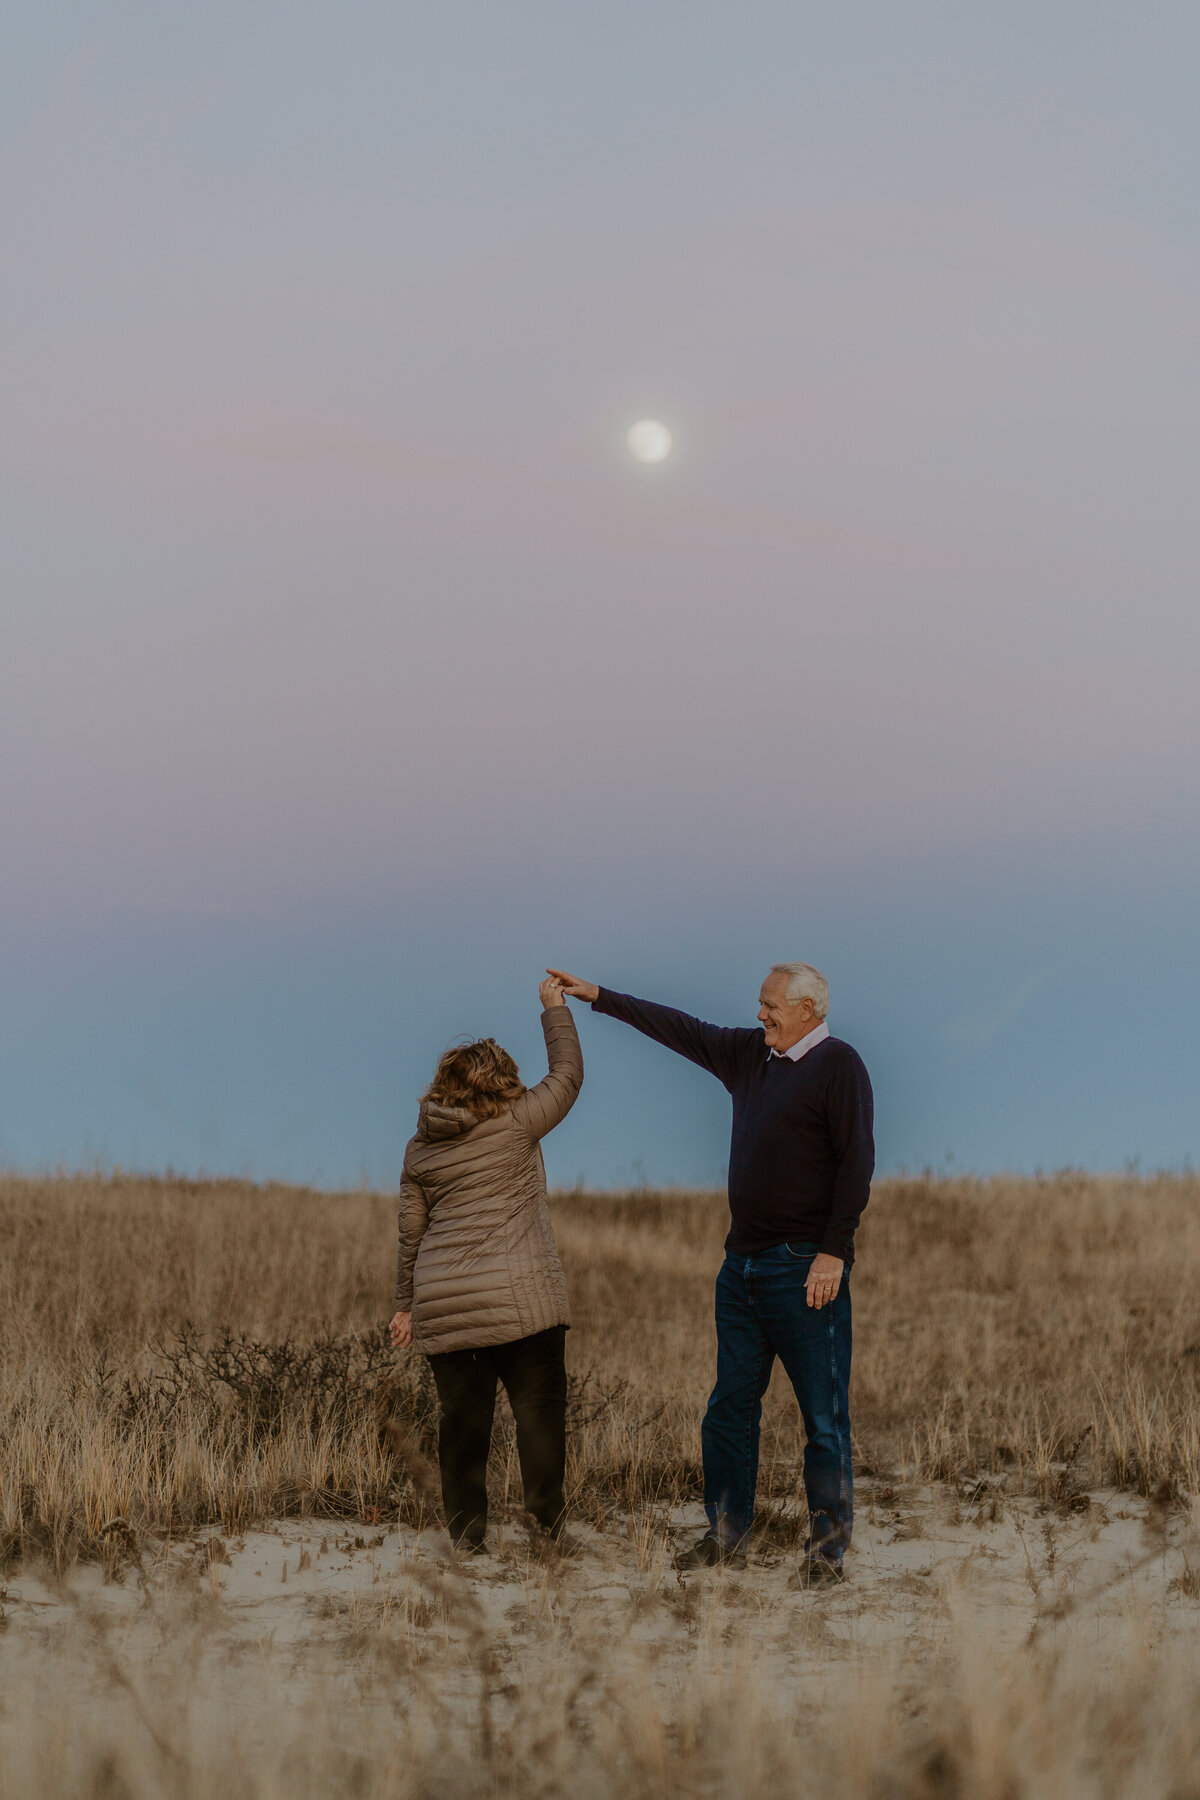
649	441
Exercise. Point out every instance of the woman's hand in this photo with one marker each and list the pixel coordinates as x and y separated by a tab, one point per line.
573	987
400	1330
551	992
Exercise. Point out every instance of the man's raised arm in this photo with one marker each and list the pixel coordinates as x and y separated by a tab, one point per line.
717	1048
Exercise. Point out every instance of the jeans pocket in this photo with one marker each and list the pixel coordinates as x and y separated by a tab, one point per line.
802	1252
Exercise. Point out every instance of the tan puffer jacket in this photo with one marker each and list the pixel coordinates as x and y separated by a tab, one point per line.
478	1264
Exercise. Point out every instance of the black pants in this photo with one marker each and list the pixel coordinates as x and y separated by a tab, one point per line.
534	1374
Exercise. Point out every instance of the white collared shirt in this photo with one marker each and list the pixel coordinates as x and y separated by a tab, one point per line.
806	1044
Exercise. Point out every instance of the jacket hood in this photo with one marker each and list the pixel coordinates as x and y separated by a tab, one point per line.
436	1121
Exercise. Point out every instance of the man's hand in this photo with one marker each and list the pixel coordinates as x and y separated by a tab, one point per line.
573	987
824	1280
400	1330
551	993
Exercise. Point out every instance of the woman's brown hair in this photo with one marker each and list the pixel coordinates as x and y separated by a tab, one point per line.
480	1076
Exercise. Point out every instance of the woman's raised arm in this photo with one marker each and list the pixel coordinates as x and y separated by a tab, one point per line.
546	1105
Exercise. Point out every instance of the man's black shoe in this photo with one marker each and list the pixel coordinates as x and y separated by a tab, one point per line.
710	1553
818	1572
562	1548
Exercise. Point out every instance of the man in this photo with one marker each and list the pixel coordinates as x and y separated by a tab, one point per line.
801	1158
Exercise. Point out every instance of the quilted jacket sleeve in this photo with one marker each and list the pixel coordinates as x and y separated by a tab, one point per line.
414	1216
547	1104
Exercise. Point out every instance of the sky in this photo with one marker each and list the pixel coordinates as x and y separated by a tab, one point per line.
351	670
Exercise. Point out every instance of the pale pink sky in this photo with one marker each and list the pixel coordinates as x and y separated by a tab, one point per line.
328	583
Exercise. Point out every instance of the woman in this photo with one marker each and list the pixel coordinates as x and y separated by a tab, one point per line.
479	1287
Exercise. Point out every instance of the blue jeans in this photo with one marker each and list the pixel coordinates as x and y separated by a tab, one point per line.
762	1313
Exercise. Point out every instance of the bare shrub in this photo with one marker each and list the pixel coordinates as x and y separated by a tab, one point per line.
180	1353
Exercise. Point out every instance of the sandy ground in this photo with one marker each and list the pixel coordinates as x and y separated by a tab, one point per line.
302	1603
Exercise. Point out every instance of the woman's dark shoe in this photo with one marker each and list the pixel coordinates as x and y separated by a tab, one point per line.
710	1553
550	1547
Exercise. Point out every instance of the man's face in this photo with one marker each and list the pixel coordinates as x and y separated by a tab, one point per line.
784	1021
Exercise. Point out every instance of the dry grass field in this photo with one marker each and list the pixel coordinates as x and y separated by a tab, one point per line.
196	1402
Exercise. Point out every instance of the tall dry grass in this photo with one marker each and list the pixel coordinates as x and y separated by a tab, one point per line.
177	1353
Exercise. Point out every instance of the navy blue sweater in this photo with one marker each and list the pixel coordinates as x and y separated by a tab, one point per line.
802	1151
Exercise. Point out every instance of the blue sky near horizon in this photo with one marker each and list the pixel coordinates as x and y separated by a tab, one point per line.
351	670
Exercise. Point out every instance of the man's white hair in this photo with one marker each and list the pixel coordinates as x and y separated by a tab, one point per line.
805	983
